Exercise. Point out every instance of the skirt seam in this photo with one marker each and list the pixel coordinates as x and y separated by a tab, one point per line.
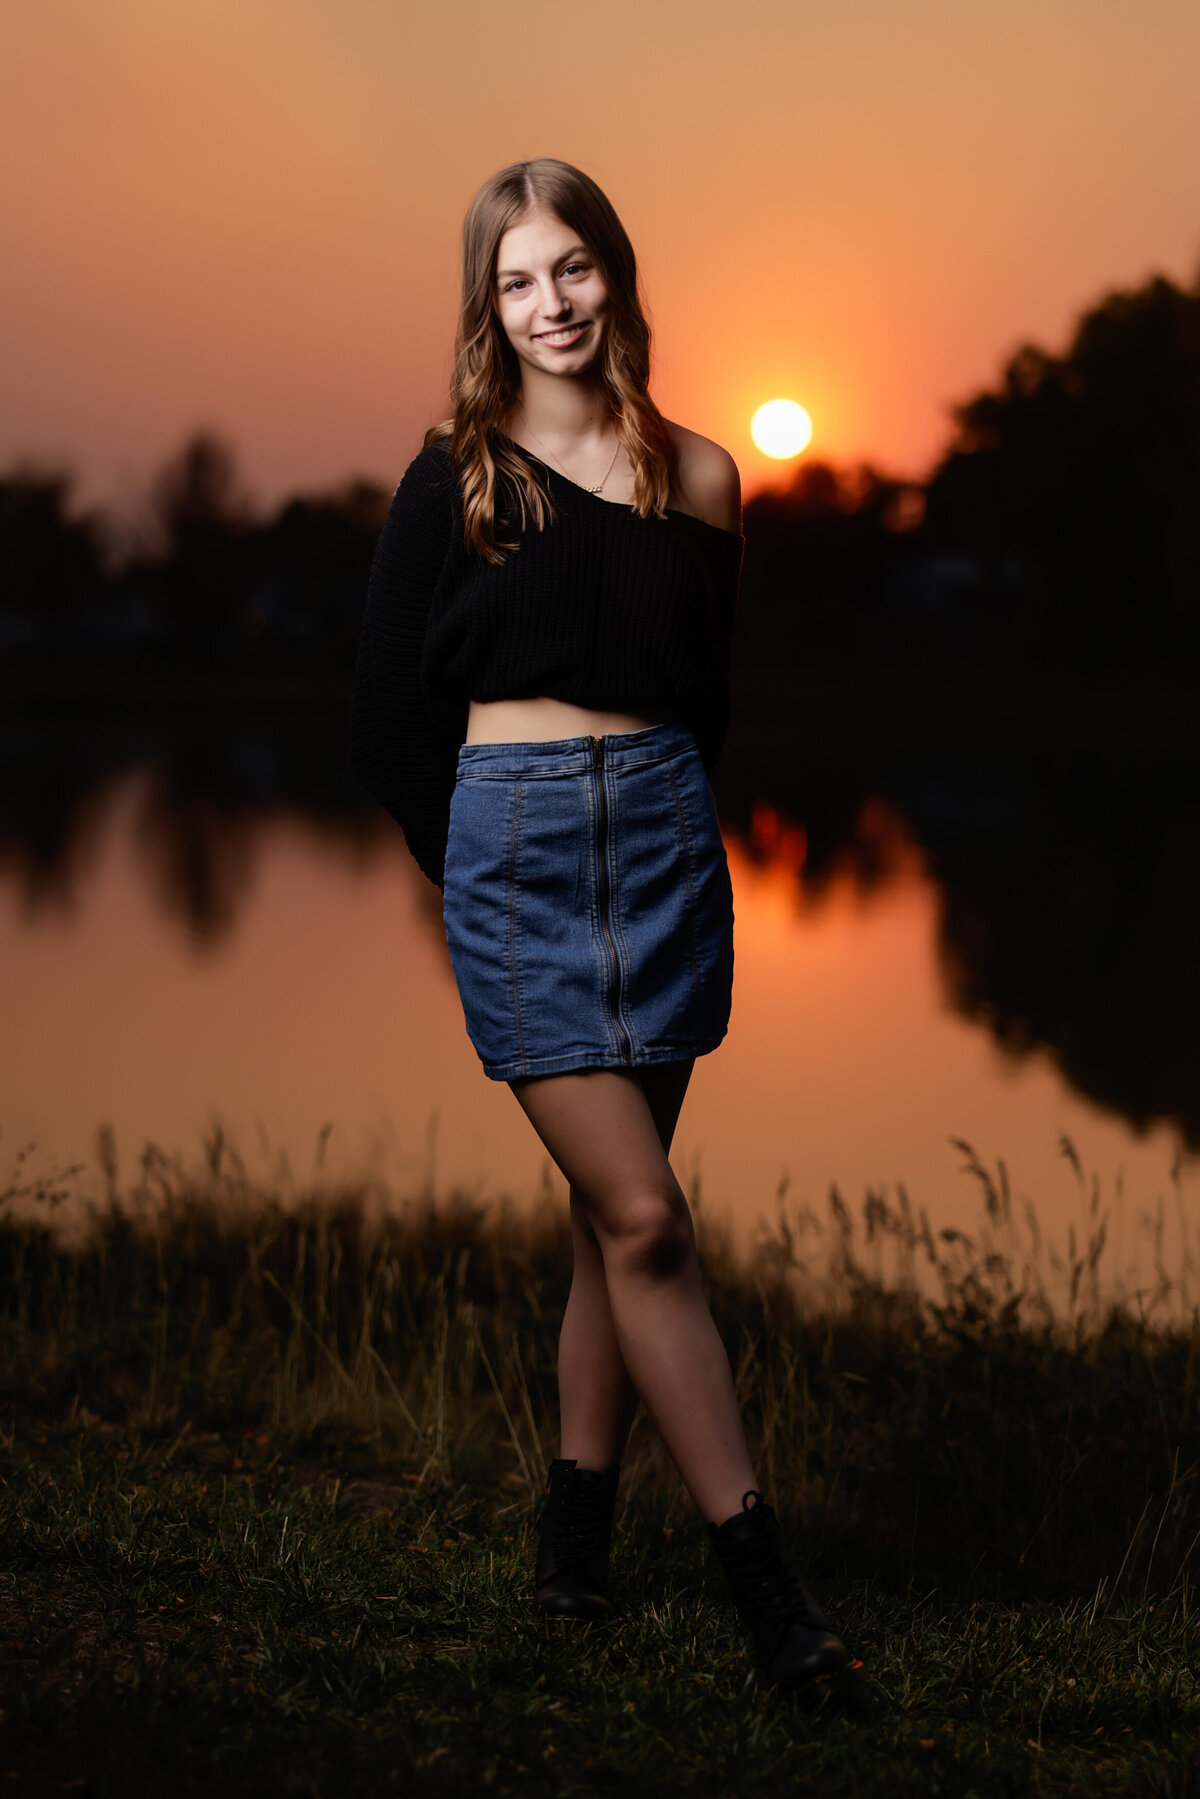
686	838
584	1061
599	958
514	960
621	1009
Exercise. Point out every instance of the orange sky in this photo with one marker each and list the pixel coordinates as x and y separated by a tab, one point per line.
244	213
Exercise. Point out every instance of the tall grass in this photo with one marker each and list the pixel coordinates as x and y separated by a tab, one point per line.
968	1407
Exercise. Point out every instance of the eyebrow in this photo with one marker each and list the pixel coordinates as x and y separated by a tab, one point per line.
570	255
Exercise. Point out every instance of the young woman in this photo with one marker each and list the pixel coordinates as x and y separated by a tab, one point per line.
542	689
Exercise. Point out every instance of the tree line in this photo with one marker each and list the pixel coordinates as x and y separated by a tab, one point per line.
209	577
1061	522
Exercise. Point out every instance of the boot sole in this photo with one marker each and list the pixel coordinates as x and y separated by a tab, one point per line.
565	1615
840	1687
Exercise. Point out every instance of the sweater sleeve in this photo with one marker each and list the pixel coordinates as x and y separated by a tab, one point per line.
395	749
726	565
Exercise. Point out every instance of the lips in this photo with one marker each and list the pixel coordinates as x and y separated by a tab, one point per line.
564	336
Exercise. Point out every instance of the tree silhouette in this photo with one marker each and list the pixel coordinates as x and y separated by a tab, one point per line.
204	579
819	554
51	565
318	552
1077	482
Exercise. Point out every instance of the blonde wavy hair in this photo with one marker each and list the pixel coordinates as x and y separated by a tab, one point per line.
487	380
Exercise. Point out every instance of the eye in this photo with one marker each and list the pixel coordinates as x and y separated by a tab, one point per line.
512	286
576	268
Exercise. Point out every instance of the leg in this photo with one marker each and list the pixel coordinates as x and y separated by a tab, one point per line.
599	1129
597	1399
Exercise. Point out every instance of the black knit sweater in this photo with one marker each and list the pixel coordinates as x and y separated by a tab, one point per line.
601	608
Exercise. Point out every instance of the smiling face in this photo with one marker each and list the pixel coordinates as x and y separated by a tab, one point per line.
550	298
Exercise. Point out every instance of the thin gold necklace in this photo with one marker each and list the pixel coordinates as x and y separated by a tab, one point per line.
562	471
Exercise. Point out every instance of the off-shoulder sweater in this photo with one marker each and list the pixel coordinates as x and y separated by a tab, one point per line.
600	608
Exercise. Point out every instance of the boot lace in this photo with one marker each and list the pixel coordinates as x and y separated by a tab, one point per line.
583	1522
766	1580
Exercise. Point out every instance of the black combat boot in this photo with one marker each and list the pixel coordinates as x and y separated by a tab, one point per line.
797	1650
572	1563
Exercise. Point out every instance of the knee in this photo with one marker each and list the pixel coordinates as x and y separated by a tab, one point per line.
649	1234
583	1231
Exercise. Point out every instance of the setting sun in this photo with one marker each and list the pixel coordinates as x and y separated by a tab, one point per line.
781	428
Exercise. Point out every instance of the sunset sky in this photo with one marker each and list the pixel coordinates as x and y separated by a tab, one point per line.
244	213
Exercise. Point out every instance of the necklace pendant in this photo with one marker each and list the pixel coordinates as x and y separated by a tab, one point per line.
595	489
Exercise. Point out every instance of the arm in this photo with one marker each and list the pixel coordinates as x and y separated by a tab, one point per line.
725	565
707	479
395	750
707	485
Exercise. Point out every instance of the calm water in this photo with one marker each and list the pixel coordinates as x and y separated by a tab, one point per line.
214	925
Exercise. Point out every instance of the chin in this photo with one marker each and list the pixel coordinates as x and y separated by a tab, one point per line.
563	365
589	359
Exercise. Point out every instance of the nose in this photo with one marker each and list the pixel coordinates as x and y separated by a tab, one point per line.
552	302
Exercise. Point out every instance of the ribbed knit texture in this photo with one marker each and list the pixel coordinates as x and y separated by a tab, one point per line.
601	609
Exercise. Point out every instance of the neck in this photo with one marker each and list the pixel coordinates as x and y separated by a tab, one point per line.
561	411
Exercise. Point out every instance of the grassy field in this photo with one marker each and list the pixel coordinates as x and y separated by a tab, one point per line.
270	1477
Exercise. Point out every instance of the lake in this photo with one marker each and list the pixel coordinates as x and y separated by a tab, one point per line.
202	920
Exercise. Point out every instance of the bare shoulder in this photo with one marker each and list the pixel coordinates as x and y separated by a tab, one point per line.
707	482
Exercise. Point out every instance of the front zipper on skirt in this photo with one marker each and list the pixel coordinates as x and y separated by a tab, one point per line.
604	897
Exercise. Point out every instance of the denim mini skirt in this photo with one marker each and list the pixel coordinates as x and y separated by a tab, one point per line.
587	903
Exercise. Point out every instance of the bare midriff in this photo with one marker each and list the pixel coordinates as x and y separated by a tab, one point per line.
543	720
